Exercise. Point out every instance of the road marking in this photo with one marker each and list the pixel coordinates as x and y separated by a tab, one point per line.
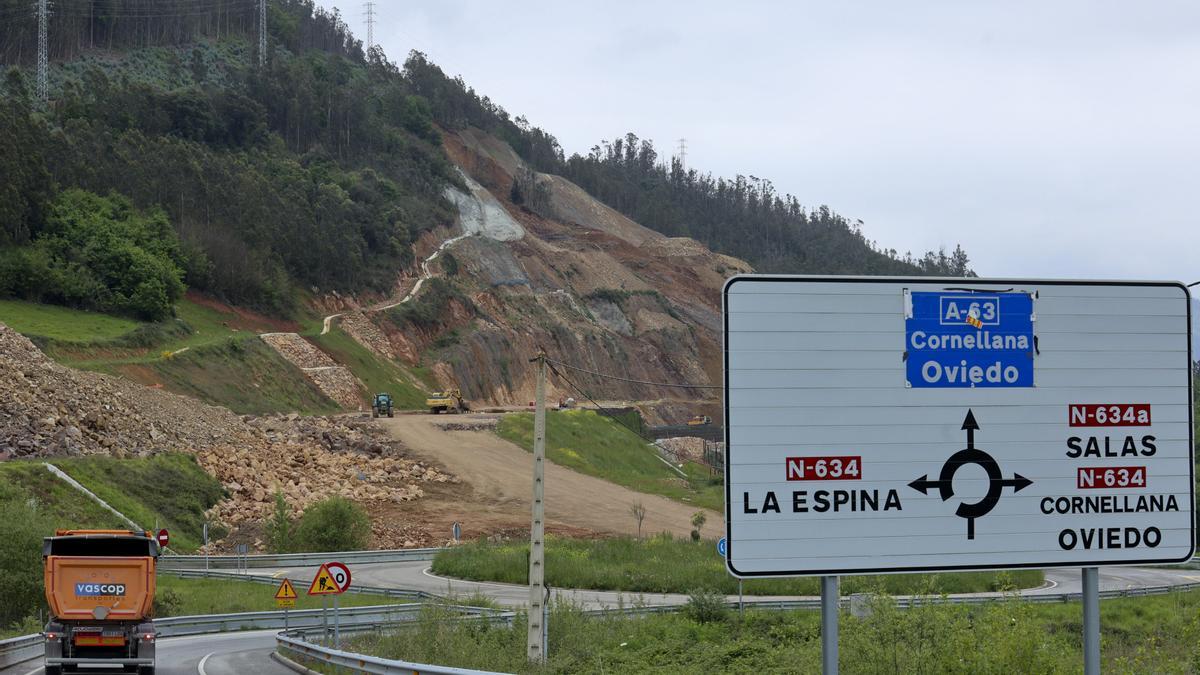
39	669
200	666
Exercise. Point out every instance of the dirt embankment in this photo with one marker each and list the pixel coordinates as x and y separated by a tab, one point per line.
500	477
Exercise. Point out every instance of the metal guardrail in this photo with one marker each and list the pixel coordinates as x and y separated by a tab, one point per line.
20	649
277	560
361	663
274	581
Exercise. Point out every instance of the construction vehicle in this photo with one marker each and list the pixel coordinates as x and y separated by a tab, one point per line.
699	421
381	404
100	588
443	401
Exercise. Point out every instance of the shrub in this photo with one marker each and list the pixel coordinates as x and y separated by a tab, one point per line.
280	527
335	524
167	602
705	606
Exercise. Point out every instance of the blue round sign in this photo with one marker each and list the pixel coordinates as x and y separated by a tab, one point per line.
722	548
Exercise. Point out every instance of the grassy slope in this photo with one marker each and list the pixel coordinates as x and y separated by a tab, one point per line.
378	374
60	323
665	565
65	506
169	490
245	375
1141	635
589	443
224	363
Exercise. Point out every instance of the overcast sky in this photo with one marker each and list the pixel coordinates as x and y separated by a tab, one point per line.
1048	138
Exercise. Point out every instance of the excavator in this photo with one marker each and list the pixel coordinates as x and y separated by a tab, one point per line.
450	400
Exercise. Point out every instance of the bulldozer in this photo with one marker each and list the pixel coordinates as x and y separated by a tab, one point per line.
381	404
446	401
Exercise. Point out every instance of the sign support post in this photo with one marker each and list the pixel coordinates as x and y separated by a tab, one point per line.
829	625
337	626
537	549
1091	621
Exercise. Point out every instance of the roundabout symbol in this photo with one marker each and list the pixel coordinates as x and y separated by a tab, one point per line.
971	455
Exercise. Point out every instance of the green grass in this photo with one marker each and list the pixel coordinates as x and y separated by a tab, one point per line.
663	564
1140	635
186	597
60	323
377	373
247	376
167	490
597	446
64	506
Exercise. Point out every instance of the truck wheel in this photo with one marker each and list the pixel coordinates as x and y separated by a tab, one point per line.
374	412
389	413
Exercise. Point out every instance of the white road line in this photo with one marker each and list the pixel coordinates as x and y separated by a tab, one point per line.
200	666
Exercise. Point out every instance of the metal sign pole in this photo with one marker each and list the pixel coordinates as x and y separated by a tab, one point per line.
337	626
325	616
1091	621
537	548
206	547
829	625
741	607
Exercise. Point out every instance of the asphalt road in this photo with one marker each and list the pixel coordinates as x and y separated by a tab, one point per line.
416	576
221	654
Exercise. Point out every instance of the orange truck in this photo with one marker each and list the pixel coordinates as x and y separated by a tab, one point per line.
100	588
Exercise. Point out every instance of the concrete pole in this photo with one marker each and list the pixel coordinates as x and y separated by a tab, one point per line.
829	625
537	530
1091	621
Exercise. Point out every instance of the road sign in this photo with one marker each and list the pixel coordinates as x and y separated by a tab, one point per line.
721	549
286	591
163	538
340	574
894	425
323	583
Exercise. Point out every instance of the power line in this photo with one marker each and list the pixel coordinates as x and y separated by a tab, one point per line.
43	61
370	7
609	413
626	379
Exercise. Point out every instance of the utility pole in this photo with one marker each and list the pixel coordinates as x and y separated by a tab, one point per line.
370	6
537	530
683	154
43	64
262	33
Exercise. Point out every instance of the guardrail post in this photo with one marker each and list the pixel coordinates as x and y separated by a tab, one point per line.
829	625
1091	621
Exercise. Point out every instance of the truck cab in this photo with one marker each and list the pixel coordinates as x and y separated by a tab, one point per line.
100	587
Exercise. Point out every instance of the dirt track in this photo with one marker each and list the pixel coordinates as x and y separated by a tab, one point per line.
499	474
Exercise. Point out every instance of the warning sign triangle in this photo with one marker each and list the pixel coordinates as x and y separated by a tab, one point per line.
286	591
323	583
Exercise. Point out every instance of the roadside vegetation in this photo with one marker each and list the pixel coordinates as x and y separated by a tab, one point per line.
1158	634
168	490
664	564
333	524
186	597
598	446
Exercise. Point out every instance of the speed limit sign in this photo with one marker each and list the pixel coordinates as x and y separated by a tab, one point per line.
340	574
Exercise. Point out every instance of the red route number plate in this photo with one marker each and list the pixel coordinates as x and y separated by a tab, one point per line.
1109	414
1101	477
824	468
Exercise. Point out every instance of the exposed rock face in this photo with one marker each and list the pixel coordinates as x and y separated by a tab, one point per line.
298	350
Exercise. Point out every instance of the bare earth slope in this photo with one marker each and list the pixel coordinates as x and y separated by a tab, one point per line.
501	475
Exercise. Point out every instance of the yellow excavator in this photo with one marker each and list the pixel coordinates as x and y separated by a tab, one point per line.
446	401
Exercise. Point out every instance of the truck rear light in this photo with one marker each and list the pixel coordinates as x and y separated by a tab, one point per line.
52	636
148	636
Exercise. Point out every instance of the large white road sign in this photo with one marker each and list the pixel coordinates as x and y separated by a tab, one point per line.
899	425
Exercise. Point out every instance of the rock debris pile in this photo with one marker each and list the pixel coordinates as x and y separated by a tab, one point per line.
50	410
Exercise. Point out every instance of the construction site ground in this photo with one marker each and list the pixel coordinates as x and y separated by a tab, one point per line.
494	495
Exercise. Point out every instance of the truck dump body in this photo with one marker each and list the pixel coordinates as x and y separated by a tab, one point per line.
100	587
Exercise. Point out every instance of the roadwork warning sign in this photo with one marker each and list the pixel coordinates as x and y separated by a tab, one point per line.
285	595
881	425
323	583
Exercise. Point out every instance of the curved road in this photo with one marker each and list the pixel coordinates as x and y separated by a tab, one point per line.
415	575
221	654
